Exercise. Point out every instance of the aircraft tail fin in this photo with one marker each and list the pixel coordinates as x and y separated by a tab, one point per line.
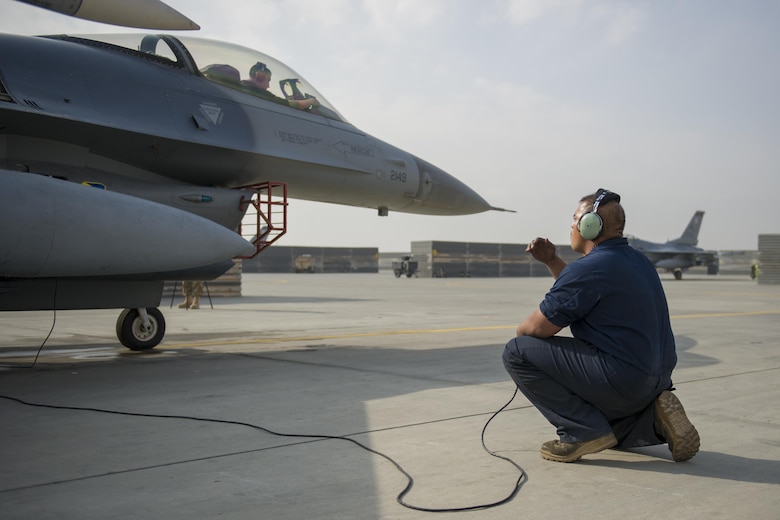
690	236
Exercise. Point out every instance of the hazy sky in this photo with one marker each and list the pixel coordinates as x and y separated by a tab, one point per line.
533	103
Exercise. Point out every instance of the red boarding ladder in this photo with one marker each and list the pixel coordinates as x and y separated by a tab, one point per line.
266	220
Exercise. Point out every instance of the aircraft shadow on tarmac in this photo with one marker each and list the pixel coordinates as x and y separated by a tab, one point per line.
464	366
686	359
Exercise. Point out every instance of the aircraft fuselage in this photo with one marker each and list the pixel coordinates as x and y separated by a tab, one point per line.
154	117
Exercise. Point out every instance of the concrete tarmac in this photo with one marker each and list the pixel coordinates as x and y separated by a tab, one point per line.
408	367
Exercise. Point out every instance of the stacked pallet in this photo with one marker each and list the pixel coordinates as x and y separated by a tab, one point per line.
769	259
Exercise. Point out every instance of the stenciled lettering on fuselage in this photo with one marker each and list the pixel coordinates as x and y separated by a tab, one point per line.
291	137
355	149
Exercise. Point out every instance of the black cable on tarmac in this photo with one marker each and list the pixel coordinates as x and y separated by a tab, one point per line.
400	498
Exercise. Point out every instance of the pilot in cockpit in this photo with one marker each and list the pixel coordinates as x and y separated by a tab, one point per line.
259	81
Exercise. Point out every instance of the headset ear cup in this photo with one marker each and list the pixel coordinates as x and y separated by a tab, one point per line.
590	226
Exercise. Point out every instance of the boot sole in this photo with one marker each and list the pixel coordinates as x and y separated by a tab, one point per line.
680	434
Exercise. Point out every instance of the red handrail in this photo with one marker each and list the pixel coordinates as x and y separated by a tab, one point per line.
269	223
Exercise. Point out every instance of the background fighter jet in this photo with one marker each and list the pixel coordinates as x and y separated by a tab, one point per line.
127	160
681	253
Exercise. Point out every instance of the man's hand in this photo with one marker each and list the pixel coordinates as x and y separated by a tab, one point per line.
542	250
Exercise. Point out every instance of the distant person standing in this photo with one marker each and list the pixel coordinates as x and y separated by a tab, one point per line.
611	383
192	290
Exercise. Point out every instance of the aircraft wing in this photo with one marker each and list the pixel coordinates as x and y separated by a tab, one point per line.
143	14
682	260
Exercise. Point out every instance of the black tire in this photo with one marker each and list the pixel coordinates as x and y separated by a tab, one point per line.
130	333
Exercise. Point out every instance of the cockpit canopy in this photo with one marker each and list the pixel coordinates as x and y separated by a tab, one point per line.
224	63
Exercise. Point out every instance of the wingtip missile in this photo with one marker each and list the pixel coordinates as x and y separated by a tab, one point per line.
142	14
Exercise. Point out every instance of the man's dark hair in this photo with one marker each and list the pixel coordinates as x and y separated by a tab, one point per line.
259	67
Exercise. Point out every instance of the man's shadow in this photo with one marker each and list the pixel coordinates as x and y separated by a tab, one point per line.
707	464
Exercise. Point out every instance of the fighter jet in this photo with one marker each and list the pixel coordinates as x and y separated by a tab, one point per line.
127	160
681	253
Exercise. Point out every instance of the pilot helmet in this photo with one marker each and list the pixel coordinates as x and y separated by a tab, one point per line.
259	67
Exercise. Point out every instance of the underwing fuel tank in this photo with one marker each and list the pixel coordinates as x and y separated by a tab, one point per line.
55	228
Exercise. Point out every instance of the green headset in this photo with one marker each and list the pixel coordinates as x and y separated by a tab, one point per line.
590	224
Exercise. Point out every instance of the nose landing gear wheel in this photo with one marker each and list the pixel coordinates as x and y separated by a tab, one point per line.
137	333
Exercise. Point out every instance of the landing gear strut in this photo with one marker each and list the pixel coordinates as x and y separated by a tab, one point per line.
140	329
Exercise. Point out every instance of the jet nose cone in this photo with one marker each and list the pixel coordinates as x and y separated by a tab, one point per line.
442	194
